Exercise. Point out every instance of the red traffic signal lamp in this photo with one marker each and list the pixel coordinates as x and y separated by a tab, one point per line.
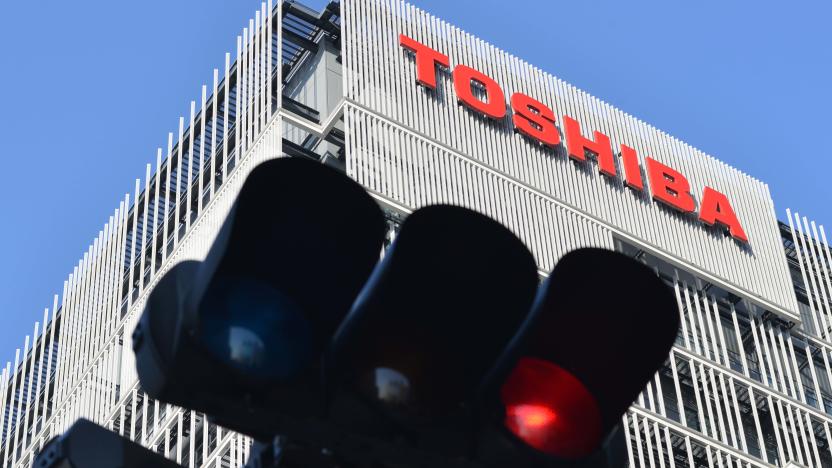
550	410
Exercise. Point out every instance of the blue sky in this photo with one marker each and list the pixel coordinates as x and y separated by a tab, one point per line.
91	89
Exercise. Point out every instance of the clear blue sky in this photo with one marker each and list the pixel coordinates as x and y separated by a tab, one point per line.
91	88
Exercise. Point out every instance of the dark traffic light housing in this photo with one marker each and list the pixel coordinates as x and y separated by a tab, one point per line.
406	364
240	334
601	327
88	445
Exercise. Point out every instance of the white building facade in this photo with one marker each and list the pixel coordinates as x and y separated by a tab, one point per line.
749	380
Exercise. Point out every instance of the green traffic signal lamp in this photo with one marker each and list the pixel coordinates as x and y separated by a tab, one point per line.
239	335
406	364
600	328
88	445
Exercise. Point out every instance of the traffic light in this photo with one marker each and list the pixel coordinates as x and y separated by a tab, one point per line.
88	445
443	361
239	335
405	366
446	353
600	328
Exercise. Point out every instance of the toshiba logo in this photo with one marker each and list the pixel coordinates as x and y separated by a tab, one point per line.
537	121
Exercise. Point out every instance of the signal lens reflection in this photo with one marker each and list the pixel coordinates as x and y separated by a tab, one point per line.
255	329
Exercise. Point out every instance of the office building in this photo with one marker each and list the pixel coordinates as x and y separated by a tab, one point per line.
420	112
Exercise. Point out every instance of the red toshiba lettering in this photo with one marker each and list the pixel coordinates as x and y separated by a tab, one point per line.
669	186
494	105
632	173
577	144
534	119
717	209
426	61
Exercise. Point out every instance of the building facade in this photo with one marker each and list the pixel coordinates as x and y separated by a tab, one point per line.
420	112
